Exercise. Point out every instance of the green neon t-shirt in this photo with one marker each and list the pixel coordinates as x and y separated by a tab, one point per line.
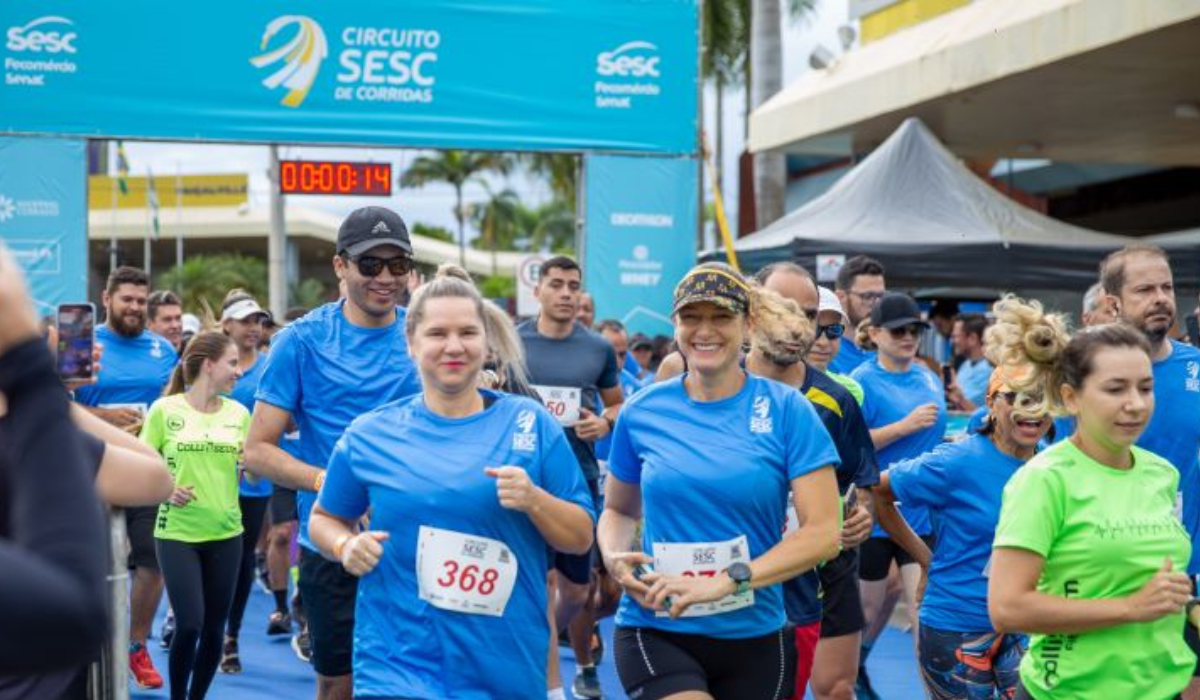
1104	533
852	386
202	451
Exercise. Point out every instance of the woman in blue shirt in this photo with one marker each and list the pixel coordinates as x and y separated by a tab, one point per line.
465	488
961	484
709	460
904	405
242	320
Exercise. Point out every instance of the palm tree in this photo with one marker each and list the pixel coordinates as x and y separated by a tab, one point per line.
205	279
456	168
722	27
766	79
559	169
496	219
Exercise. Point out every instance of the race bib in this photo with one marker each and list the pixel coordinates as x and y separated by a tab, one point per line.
464	573
708	559
561	401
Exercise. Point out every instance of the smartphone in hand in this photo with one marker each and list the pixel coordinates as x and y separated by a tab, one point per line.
76	340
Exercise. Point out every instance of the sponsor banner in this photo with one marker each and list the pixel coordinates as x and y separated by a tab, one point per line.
193	191
43	216
639	236
615	75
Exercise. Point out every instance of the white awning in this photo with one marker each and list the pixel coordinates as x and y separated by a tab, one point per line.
1070	80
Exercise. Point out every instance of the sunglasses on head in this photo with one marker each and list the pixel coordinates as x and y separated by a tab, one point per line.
911	329
371	266
831	332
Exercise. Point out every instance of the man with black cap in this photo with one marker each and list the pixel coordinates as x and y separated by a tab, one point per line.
336	363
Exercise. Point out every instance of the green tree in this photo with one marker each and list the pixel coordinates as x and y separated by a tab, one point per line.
439	233
496	219
560	170
205	279
455	168
307	293
498	287
550	226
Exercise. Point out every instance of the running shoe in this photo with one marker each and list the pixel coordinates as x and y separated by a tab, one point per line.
302	645
142	668
167	633
587	684
862	687
279	623
230	663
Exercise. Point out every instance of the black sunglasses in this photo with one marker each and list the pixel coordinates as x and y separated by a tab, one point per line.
831	332
911	329
371	266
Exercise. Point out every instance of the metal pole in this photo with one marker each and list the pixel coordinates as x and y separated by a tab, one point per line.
179	226
109	677
276	244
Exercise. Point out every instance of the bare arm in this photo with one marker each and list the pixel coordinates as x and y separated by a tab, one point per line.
671	366
894	524
815	498
564	525
1015	604
265	458
131	472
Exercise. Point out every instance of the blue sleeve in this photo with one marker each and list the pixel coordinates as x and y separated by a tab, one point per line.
869	413
343	494
561	475
623	461
857	439
925	480
280	383
808	445
608	377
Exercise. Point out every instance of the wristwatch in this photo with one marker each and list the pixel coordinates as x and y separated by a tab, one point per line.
740	573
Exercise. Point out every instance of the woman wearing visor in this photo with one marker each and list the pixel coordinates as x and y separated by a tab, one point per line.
960	484
708	460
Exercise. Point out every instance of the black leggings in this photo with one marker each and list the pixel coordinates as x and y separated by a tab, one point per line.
254	508
200	577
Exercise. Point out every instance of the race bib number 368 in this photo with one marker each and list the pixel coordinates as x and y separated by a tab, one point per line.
707	559
464	573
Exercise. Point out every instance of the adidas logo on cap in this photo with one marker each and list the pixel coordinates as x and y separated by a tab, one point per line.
381	227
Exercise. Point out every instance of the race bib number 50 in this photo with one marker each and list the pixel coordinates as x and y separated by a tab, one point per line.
464	573
561	401
707	559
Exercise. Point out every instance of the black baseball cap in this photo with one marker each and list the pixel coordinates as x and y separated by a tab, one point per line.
639	340
369	227
895	310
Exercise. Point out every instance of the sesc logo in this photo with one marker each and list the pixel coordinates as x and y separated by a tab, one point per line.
300	57
635	59
50	34
8	208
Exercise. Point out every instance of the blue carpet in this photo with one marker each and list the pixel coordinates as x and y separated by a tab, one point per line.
272	670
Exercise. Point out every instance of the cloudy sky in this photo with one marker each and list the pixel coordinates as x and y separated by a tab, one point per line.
434	203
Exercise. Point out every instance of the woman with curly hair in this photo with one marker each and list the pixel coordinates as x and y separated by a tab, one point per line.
1090	548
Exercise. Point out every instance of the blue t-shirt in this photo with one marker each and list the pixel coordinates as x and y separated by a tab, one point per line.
712	472
243	392
629	386
1174	430
961	483
326	372
849	357
839	412
888	398
973	378
133	371
417	469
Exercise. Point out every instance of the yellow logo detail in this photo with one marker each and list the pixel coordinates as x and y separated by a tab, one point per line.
301	57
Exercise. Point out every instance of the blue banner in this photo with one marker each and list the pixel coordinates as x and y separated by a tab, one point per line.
611	75
639	236
43	216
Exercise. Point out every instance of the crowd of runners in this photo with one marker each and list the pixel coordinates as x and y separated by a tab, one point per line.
457	496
